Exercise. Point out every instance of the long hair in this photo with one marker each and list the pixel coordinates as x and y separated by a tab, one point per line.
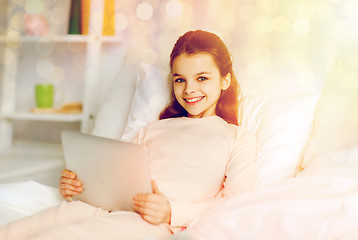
199	41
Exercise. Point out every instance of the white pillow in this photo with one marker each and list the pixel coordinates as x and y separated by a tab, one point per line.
341	163
282	125
151	96
335	134
113	114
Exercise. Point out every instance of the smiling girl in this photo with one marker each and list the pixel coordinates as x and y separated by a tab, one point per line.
202	57
197	151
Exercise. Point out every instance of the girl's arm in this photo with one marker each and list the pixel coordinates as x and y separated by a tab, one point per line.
241	170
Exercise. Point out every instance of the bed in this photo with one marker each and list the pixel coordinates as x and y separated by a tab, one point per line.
307	186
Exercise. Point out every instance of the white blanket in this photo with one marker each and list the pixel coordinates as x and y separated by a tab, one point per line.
307	207
22	199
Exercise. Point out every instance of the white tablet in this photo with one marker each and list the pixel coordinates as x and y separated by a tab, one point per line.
112	171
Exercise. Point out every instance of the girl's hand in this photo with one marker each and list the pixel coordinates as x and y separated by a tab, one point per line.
69	185
153	207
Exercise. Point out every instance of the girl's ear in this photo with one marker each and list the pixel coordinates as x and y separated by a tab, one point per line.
226	82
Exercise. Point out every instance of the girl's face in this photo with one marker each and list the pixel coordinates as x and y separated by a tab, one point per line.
197	84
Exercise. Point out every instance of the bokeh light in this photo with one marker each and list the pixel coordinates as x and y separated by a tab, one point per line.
215	10
58	74
121	22
247	11
174	8
301	26
58	15
16	22
34	6
269	39
45	69
278	46
144	11
351	8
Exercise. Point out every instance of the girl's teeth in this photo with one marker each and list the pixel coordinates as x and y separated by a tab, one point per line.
194	99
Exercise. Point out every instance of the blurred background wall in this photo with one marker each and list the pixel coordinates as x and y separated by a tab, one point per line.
282	46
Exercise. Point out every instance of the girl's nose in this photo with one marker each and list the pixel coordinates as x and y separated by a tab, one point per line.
190	88
189	91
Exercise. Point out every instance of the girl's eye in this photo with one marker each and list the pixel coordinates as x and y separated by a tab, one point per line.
202	78
178	80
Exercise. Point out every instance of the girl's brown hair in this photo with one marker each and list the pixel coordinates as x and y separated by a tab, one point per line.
199	41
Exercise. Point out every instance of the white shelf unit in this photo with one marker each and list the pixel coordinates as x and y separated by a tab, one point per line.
51	117
66	38
14	43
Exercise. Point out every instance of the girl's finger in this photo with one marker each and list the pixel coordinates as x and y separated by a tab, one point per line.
73	182
65	192
68	198
155	187
151	219
145	211
71	188
156	206
68	174
148	205
149	197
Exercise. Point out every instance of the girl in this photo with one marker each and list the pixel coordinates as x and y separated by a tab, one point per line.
198	155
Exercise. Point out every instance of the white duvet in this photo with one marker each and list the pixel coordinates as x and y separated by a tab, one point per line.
22	199
306	207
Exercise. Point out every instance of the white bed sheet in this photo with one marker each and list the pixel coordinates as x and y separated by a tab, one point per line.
22	199
306	207
320	203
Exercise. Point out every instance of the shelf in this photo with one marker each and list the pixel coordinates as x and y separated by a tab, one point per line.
52	117
111	39
30	39
60	39
24	54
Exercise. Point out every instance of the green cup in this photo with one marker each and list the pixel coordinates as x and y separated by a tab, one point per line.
44	94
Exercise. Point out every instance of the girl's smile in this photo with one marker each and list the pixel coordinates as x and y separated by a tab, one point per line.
198	84
194	100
